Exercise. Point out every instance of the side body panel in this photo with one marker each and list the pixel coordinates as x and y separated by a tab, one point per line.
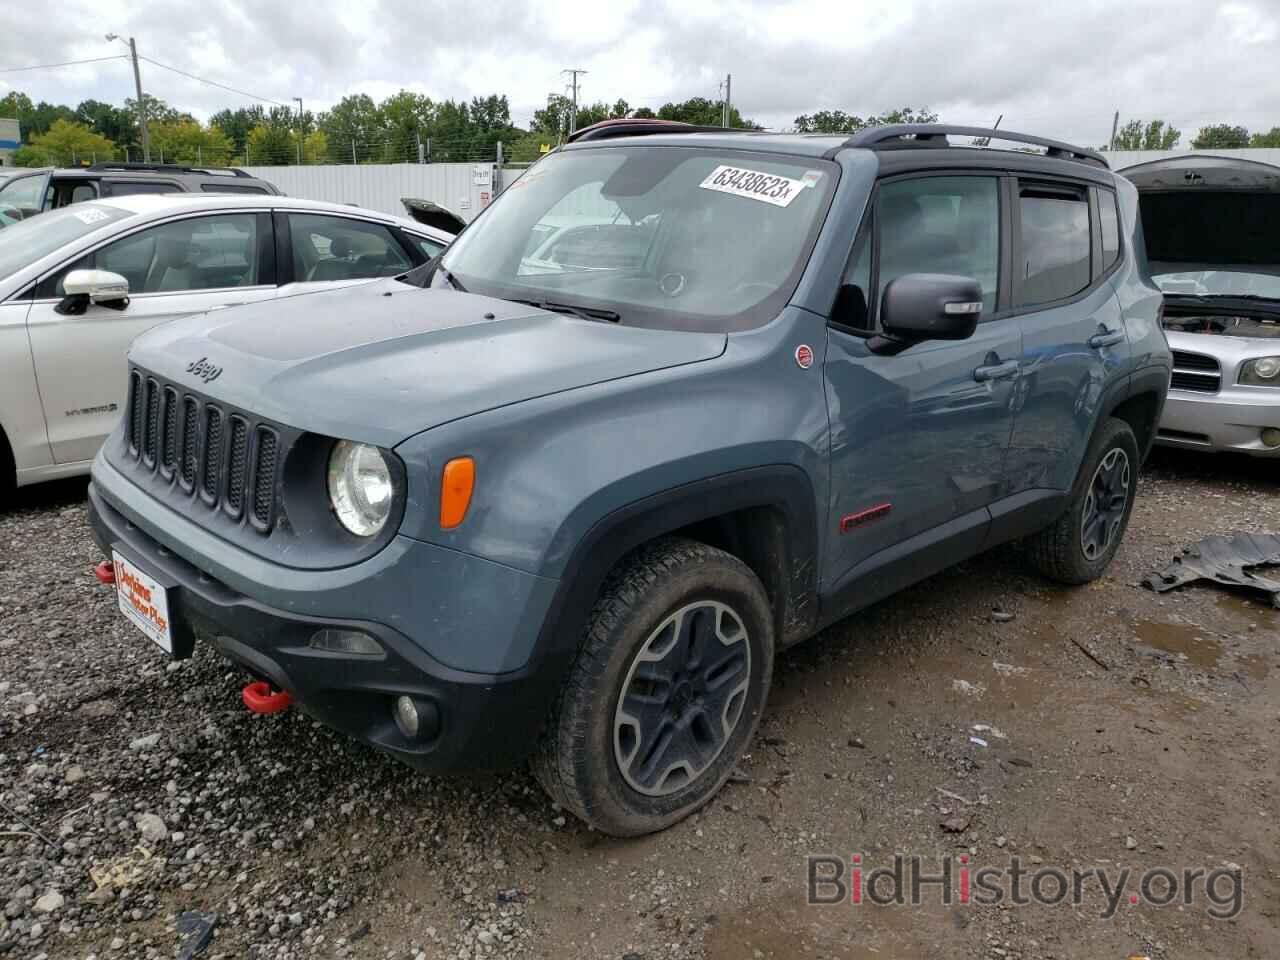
551	468
80	360
21	416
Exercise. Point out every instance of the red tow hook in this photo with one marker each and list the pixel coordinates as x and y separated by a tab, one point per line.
260	698
105	572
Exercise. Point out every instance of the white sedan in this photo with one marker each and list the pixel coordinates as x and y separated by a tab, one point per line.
79	283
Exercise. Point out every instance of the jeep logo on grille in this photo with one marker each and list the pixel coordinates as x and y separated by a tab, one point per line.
203	369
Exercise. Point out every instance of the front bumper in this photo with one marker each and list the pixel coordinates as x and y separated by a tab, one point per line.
470	721
1232	419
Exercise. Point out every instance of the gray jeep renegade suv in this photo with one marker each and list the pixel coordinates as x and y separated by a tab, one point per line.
677	400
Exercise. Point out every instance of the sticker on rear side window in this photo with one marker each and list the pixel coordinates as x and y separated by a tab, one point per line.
752	184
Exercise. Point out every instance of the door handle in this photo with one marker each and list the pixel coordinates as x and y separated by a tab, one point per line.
1106	338
996	371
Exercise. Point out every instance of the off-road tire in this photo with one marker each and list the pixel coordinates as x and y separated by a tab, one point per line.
1057	550
575	760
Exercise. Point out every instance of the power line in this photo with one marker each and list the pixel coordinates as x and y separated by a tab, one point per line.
65	63
212	83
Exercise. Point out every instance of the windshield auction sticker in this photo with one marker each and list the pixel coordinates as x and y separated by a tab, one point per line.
754	185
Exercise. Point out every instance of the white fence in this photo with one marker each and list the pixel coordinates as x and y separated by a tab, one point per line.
464	188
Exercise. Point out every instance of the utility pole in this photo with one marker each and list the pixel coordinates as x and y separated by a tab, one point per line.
142	104
728	91
573	115
298	101
1115	126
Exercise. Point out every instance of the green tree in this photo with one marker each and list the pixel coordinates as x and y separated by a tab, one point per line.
406	116
66	143
315	146
1221	136
236	124
1269	139
185	141
837	121
1147	135
271	145
704	113
355	119
112	122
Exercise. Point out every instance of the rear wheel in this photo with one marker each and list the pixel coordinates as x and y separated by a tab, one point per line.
1080	544
665	693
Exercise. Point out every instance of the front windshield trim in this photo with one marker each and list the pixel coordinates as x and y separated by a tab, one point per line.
650	312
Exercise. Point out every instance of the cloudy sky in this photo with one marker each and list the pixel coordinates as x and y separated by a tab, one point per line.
1058	69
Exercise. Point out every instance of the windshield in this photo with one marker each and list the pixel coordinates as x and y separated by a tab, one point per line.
27	241
674	237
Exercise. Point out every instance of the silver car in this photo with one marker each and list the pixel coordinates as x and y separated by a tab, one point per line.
77	284
1212	230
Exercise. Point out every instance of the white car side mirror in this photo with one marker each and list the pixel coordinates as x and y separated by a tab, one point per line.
100	286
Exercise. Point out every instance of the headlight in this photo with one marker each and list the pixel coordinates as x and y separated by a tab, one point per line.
360	487
1262	372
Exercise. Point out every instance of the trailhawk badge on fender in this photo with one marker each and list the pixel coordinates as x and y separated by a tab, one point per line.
804	356
203	369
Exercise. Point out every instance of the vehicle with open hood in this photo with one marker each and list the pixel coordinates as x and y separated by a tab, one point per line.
1212	230
677	399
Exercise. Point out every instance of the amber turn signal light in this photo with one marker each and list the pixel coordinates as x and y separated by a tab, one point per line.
455	492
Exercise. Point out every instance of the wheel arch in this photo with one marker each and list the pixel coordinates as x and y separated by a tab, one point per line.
1142	406
765	516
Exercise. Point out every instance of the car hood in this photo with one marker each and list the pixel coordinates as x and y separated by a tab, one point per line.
1211	224
382	361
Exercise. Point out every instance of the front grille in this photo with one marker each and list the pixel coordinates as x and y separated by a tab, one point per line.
1196	372
228	460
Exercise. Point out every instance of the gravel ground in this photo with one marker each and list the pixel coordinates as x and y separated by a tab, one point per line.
1131	730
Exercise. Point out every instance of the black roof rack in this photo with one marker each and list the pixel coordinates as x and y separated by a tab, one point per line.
640	126
915	135
168	168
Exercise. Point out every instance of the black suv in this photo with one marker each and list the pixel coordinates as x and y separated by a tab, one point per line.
28	194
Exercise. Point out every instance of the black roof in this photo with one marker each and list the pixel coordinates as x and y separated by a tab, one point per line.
906	136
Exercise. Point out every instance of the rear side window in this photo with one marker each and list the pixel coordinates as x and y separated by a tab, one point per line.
124	188
336	248
430	248
1109	221
1053	259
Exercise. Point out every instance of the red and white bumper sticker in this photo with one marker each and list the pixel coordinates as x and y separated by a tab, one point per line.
143	601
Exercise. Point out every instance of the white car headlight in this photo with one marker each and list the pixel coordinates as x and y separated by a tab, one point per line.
360	487
1262	372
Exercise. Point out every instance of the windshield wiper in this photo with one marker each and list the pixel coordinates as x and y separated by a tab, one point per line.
582	313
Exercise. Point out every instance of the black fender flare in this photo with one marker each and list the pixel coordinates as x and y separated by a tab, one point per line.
783	487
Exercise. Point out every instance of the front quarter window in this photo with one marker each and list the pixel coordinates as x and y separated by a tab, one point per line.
689	238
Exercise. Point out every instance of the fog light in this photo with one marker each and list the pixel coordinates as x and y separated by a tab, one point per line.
351	642
406	712
1271	437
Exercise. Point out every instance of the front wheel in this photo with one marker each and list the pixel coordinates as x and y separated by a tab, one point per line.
1078	546
665	693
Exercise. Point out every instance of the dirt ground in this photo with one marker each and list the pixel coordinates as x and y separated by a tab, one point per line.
1131	730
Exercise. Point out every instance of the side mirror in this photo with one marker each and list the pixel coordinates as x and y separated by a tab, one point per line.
82	287
100	286
930	306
